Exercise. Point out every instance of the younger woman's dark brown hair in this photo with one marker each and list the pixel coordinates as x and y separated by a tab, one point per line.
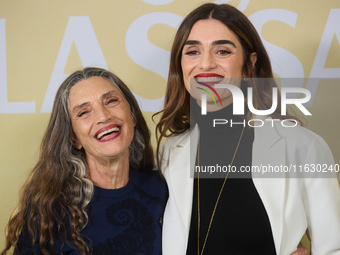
175	117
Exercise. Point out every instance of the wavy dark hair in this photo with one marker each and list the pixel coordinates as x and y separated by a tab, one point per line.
57	188
175	117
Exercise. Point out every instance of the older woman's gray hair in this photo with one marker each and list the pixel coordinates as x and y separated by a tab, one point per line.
59	178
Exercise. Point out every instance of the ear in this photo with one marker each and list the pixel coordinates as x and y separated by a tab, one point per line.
76	143
253	58
251	65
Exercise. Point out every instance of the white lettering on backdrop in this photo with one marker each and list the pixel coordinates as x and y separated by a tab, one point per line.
157	2
284	63
5	106
318	70
80	31
147	55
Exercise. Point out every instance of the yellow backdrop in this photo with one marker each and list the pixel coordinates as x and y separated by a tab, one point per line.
43	41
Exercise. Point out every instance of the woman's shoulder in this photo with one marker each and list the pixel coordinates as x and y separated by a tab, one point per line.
293	134
177	139
174	140
305	144
300	135
300	142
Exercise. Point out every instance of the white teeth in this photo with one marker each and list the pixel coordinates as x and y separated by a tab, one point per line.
209	79
100	135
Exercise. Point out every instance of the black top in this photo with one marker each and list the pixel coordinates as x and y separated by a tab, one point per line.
121	221
240	224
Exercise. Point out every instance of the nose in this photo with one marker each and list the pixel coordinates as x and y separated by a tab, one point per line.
207	61
102	114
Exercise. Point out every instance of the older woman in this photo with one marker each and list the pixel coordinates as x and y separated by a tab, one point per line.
92	190
225	215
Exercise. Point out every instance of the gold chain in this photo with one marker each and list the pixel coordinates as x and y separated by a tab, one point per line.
218	198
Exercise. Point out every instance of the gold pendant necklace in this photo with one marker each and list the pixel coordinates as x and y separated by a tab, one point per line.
218	198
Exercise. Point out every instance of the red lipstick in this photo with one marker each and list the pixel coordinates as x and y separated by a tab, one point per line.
209	79
108	133
208	75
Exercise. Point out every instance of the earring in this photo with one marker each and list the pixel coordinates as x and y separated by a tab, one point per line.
245	79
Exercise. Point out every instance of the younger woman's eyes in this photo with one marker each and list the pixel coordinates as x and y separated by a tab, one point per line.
219	52
223	52
191	53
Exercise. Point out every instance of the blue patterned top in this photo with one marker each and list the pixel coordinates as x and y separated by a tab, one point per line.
121	221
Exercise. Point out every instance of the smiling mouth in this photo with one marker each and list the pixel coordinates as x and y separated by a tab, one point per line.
108	132
209	79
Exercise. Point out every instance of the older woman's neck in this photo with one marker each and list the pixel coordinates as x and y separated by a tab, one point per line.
109	174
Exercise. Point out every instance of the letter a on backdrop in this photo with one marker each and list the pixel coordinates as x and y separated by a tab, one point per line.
80	31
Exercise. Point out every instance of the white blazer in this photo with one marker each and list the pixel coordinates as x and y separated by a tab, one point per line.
292	204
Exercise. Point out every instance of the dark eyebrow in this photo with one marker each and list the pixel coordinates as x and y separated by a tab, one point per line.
217	42
192	42
106	95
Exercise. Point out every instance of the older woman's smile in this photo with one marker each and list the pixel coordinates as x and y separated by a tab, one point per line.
108	133
101	116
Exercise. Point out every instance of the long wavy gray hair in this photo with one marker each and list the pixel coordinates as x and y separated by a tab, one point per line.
57	188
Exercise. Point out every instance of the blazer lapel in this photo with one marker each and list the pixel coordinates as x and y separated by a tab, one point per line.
269	150
180	174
